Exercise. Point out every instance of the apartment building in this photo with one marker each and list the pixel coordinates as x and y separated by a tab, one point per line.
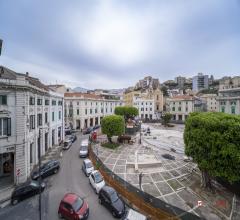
180	107
145	107
228	99
83	110
200	82
31	118
211	102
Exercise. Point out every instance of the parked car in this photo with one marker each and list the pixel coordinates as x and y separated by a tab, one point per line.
96	180
73	207
87	167
131	214
26	190
88	130
46	169
68	131
110	199
72	137
67	144
84	148
96	127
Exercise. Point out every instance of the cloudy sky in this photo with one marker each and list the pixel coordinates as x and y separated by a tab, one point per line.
112	44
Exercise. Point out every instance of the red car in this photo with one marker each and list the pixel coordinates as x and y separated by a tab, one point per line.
72	207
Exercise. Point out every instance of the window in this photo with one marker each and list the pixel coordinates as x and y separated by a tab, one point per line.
233	109
39	119
96	110
3	100
59	115
91	103
187	109
54	102
157	97
146	109
106	110
101	110
5	127
90	111
150	109
223	109
150	103
60	103
77	103
85	103
146	103
31	153
46	117
173	109
85	111
157	107
179	108
46	102
39	101
32	101
32	122
52	116
173	103
77	111
180	103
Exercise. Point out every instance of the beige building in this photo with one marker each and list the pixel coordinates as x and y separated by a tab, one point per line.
211	102
228	99
180	107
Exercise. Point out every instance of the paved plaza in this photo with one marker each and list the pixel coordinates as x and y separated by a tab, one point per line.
175	181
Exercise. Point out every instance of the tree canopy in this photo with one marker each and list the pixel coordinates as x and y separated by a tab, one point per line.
126	111
113	125
166	118
213	141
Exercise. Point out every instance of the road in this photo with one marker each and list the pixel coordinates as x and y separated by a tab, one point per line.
69	179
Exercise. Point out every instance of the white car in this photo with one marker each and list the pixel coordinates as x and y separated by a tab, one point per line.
84	148
133	215
96	180
87	167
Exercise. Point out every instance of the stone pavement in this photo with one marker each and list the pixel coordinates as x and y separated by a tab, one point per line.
5	193
174	181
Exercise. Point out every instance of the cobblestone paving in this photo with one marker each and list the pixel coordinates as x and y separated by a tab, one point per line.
174	181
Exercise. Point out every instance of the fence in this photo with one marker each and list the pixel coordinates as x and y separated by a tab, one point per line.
155	208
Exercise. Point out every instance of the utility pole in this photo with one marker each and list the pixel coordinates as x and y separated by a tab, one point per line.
1	42
39	173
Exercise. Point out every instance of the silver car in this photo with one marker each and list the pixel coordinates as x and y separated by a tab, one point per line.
84	149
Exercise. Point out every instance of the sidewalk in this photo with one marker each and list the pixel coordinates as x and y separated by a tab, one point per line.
5	193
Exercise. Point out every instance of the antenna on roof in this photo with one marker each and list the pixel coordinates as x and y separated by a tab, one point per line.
1	43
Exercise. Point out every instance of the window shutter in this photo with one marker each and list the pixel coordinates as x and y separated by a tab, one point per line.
9	127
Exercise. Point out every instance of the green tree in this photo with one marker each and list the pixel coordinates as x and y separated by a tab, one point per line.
164	91
113	125
166	118
126	111
213	141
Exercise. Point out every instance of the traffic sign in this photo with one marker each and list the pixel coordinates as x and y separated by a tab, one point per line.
18	172
200	203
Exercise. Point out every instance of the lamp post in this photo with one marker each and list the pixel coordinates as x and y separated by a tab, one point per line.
140	141
39	175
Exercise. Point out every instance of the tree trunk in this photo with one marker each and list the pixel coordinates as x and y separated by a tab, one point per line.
206	180
109	139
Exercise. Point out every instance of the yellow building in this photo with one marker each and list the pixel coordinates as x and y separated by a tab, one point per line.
129	95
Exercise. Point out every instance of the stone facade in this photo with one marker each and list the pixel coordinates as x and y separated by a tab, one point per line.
84	110
28	106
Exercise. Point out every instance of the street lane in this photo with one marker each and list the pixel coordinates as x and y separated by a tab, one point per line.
70	178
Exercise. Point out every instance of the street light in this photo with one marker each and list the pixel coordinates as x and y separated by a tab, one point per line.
140	141
39	175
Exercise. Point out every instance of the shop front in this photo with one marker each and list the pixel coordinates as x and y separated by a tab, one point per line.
7	158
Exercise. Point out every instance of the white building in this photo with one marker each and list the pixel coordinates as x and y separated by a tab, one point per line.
228	99
180	107
31	117
145	107
211	102
84	110
200	82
